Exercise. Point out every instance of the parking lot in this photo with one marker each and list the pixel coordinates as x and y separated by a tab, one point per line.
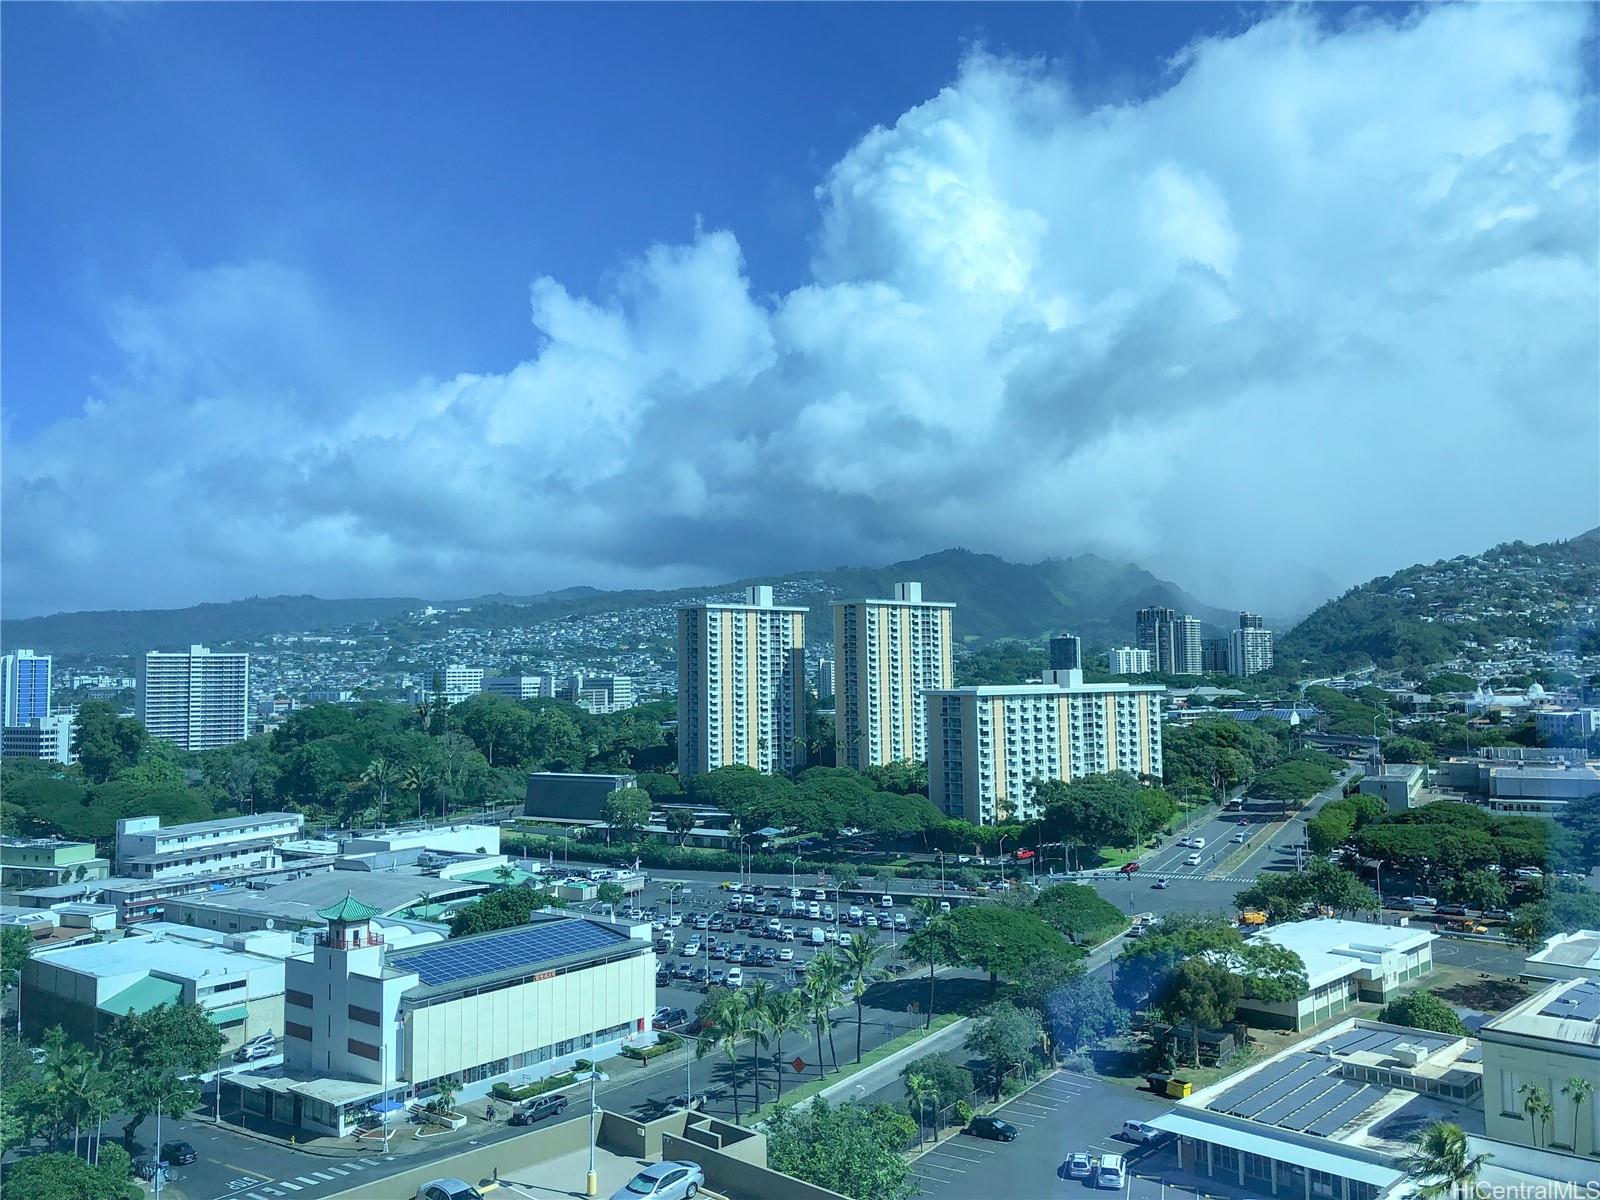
1061	1114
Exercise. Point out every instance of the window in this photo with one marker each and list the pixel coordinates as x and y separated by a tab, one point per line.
299	999
364	1049
299	1032
366	1016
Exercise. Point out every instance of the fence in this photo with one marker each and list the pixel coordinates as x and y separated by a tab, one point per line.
934	1121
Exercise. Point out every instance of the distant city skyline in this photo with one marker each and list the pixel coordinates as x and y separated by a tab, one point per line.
516	298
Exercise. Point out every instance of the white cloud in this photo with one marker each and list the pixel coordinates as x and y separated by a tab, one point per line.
1329	296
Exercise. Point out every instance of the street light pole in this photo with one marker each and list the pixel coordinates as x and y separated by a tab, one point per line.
592	1183
158	1148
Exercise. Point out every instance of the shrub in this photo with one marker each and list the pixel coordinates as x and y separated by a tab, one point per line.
666	1044
963	1113
527	1091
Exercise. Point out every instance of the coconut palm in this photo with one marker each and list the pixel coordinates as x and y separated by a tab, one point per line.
1578	1090
859	965
418	779
825	976
723	1030
505	873
816	1004
756	999
1443	1162
1537	1105
785	1013
928	947
918	1088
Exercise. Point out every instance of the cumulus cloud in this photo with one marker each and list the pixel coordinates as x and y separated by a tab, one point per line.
1328	296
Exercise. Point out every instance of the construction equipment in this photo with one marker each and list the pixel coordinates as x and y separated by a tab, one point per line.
1252	916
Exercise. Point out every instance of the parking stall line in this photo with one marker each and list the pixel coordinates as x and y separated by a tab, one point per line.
957	1157
925	1165
323	1175
293	1187
305	1179
1041	1109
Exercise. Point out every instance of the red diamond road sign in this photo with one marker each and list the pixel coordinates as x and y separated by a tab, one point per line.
799	1064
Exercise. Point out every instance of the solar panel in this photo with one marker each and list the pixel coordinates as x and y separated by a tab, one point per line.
523	947
1269	1074
1291	1082
1362	1100
1473	1055
1308	1093
1580	1003
1309	1114
1343	1043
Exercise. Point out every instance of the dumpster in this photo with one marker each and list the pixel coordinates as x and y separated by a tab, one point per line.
1179	1089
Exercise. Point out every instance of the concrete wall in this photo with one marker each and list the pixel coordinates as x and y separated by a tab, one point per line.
541	1146
638	1139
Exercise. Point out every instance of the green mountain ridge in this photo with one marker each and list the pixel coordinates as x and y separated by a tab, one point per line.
1085	594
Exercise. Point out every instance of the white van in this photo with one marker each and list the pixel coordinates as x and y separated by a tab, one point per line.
1112	1172
817	935
886	902
1198	843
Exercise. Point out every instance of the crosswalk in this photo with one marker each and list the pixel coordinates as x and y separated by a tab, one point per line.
331	1173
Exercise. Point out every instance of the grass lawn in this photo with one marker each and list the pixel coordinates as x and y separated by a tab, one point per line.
810	1088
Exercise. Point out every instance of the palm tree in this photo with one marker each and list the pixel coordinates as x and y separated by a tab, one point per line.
1577	1089
860	967
416	778
816	1005
825	976
1443	1162
755	1028
785	1013
926	947
918	1087
379	775
1538	1107
723	1029
505	874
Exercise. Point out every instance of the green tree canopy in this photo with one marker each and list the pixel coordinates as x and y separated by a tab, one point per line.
1423	1010
850	1149
1005	1036
1001	941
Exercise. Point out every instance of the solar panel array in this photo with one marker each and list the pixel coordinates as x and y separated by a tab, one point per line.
1475	1054
1383	1041
527	946
1580	1003
1301	1092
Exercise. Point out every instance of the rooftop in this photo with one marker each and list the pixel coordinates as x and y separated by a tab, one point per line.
1043	689
1579	950
1332	949
545	943
222	824
180	958
301	899
1568	1011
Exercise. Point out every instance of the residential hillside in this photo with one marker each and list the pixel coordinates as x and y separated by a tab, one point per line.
1088	595
1546	595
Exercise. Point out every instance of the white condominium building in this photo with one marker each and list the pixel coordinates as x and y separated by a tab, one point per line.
24	687
599	694
455	682
741	685
988	745
197	699
1249	650
1125	660
520	687
1189	647
889	652
200	848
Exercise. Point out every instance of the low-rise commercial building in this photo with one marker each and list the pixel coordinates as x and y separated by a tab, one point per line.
520	687
1517	786
1346	962
46	862
1573	955
571	795
147	851
367	1026
1540	1045
1566	726
84	989
1397	785
295	903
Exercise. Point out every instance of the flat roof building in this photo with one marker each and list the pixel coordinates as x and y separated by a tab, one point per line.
295	903
987	746
46	862
1540	1044
45	739
571	795
1397	785
147	851
1573	955
24	687
1347	962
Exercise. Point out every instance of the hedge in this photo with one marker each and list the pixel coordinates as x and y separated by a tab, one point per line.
668	1042
527	1091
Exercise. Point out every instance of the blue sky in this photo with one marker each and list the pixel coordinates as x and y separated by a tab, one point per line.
442	299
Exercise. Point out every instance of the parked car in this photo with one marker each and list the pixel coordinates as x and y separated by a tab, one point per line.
1415	902
251	1051
178	1154
1140	1131
1529	873
885	901
538	1109
1079	1165
1452	910
669	1179
786	954
671	1018
718	977
448	1189
735	977
992	1128
1111	1172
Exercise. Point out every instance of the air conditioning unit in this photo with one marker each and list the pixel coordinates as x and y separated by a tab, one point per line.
1408	1055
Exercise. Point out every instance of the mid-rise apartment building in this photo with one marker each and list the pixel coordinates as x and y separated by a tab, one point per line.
48	739
196	699
24	687
454	683
520	687
825	677
741	685
987	746
229	844
888	654
1127	660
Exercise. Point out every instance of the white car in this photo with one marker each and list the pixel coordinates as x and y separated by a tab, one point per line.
827	912
1198	843
1193	860
735	977
675	920
886	902
785	953
845	938
901	923
872	920
1140	1131
690	949
448	1189
669	1179
1241	836
854	913
1079	1166
814	911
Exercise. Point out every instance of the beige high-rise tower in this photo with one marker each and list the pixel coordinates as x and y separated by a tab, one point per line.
741	685
887	653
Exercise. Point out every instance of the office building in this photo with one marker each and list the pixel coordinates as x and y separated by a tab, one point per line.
825	678
454	683
520	687
1398	785
364	1022
1250	651
24	687
889	653
1250	620
599	694
1156	633
987	746
196	699
1540	1043
1347	963
1066	653
741	685
1125	660
86	988
147	851
48	739
1566	726
1188	659
571	795
295	903
48	862
1215	656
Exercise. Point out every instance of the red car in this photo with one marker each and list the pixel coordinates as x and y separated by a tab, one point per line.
1128	868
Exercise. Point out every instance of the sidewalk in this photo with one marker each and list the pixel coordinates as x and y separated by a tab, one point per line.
865	1082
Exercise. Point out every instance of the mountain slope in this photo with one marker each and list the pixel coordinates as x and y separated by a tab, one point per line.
1086	595
1548	593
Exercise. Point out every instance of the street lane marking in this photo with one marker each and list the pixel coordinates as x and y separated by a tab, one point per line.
305	1179
293	1187
322	1175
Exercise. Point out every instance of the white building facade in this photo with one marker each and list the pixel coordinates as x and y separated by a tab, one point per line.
1249	651
520	687
196	699
1128	660
24	687
741	685
889	653
988	745
202	848
48	739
